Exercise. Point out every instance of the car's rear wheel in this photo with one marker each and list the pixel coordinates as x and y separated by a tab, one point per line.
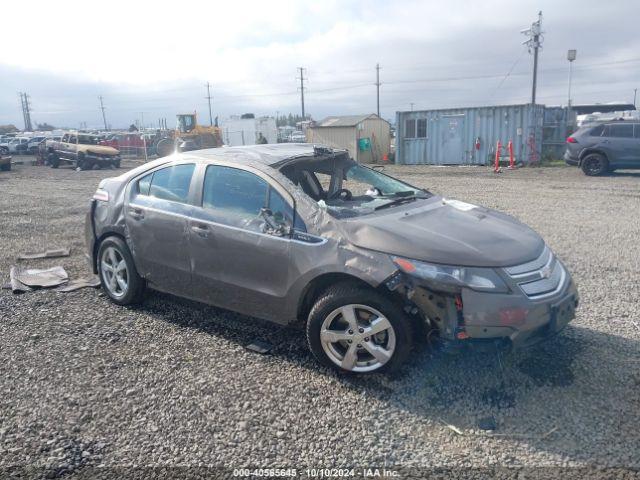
118	275
81	162
355	329
594	164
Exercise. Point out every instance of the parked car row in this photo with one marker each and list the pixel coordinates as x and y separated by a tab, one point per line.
19	145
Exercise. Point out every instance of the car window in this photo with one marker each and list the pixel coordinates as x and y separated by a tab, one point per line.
410	128
170	183
283	211
619	130
144	184
596	131
235	197
235	191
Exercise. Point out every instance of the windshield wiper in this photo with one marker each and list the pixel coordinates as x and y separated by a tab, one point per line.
397	201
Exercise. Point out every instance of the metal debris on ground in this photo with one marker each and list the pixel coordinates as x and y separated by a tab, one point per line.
27	279
524	435
487	423
259	346
453	428
73	285
50	253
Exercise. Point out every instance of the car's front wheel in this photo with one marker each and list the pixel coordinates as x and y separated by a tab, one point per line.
54	160
594	164
353	328
118	275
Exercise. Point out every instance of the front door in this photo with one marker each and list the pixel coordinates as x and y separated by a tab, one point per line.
237	265
156	216
451	138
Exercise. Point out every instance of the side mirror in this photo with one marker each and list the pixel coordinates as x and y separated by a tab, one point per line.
273	225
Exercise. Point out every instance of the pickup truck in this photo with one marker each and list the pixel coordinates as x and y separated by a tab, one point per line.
81	150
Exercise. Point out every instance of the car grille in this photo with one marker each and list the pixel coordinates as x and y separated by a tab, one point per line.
541	277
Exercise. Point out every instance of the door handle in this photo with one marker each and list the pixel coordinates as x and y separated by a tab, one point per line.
136	213
200	229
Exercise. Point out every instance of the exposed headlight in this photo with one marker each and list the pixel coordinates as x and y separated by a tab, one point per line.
443	277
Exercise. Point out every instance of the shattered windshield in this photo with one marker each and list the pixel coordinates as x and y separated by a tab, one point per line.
348	189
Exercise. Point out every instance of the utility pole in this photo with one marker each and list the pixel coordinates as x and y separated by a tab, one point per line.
104	118
301	69
571	56
27	107
378	88
534	43
141	124
26	112
412	106
635	92
208	97
24	115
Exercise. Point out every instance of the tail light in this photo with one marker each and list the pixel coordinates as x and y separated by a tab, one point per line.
571	140
101	195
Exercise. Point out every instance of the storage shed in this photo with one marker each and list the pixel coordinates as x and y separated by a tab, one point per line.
366	137
460	136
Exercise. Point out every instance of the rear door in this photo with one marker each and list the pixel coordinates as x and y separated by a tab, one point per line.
620	144
236	264
156	215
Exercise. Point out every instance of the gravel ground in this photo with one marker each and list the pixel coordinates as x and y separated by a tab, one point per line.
85	383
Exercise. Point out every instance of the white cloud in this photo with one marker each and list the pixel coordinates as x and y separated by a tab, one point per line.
148	55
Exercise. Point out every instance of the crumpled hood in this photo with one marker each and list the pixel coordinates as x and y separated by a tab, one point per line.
447	232
98	149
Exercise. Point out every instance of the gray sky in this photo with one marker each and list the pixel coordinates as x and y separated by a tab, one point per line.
155	58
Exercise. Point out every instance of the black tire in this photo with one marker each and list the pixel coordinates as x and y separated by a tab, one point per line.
54	160
136	284
6	167
343	294
165	146
594	164
116	163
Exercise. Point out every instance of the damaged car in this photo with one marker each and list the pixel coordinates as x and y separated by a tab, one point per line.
302	234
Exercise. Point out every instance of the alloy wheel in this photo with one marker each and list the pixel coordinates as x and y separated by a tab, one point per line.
358	338
115	275
594	166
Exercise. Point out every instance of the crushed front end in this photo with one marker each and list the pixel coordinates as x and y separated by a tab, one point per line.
510	307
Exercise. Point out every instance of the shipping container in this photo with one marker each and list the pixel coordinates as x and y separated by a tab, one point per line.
468	136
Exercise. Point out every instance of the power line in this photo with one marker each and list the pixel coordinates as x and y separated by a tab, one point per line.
508	73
